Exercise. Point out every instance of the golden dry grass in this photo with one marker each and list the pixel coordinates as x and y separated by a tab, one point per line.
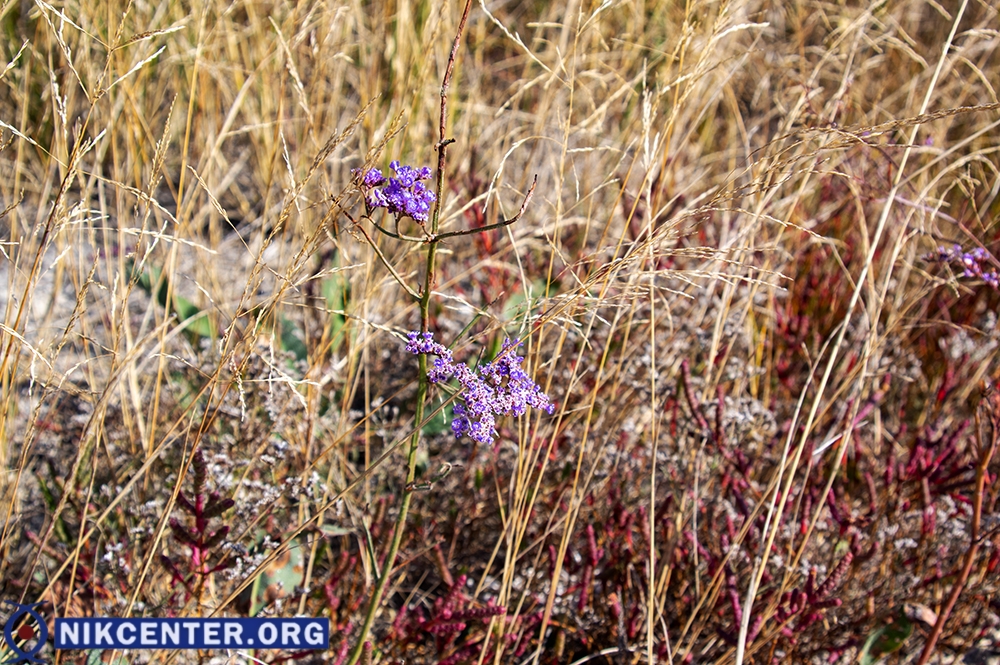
750	188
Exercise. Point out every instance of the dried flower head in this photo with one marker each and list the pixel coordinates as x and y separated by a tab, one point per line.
497	388
404	195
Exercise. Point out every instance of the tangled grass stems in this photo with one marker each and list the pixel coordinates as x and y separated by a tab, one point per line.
714	226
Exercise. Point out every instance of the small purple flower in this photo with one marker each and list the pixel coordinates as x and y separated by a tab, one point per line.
495	389
976	263
424	343
373	178
404	195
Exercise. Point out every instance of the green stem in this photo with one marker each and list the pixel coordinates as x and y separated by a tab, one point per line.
411	468
397	533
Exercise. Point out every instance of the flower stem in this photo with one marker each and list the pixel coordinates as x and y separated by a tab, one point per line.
400	526
411	460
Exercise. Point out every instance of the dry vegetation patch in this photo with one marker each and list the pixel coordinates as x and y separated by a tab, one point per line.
752	263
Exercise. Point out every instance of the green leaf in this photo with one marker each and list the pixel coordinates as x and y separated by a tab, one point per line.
277	579
516	305
885	640
291	340
336	292
51	500
440	423
47	495
148	279
197	321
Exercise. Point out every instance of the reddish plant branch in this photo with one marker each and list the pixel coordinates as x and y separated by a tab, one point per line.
443	124
985	457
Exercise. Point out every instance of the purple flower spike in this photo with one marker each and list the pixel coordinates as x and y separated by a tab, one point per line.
403	195
495	389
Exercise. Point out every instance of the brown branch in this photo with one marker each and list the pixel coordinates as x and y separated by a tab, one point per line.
442	145
397	236
490	227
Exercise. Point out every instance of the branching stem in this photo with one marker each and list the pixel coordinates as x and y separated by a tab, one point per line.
413	294
423	386
437	237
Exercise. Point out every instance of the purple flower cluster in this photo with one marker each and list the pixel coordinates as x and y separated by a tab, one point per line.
495	389
404	195
974	263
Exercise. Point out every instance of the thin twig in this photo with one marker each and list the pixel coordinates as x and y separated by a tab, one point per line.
499	225
397	236
385	262
444	142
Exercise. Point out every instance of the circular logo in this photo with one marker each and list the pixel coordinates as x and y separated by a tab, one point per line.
25	633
